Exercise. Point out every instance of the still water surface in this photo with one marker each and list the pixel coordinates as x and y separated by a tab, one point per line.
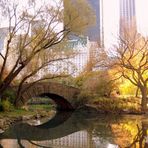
79	130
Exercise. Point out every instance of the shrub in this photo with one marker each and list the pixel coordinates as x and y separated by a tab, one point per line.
10	95
82	99
5	105
98	83
117	105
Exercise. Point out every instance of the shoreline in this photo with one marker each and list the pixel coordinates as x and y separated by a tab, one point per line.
7	120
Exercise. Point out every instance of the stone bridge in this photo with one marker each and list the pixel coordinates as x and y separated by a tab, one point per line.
65	97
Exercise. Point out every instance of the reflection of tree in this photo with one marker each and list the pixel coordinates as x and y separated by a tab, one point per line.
38	144
139	139
124	132
19	143
33	143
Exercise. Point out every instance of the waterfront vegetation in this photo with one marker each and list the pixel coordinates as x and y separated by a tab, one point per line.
116	105
97	90
29	110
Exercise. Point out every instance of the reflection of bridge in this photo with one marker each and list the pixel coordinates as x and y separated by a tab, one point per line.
53	129
76	127
63	131
64	96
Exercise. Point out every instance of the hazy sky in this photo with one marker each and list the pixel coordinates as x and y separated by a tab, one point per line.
142	17
111	21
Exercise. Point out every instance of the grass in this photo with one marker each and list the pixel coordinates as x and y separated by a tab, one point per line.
16	113
46	107
31	110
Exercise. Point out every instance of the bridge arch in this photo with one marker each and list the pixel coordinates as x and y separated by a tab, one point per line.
64	96
62	103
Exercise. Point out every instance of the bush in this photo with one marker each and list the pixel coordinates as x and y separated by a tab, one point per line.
82	99
98	83
5	105
117	105
10	95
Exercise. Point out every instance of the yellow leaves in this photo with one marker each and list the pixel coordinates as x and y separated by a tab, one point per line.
132	60
127	88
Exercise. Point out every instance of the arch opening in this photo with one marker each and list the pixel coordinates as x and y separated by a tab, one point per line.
61	104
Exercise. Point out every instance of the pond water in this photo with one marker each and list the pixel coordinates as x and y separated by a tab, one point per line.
79	130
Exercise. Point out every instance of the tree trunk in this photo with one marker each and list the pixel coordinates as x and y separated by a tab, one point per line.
144	99
137	91
3	88
17	99
7	82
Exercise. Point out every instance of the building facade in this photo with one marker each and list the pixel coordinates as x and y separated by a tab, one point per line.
77	62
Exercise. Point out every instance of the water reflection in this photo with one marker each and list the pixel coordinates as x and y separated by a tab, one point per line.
80	130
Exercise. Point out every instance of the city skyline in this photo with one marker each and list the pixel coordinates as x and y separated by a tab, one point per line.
109	28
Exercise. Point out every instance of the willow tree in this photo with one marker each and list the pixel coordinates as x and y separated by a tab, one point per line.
131	62
36	34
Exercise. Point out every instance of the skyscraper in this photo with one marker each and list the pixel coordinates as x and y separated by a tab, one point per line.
127	15
95	33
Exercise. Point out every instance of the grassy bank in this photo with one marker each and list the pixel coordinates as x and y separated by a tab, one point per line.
117	105
8	118
27	111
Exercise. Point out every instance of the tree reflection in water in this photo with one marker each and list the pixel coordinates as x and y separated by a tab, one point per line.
140	139
35	144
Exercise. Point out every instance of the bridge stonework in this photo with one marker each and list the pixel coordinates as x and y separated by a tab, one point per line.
64	96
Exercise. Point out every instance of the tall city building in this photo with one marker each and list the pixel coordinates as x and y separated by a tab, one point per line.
96	32
127	15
